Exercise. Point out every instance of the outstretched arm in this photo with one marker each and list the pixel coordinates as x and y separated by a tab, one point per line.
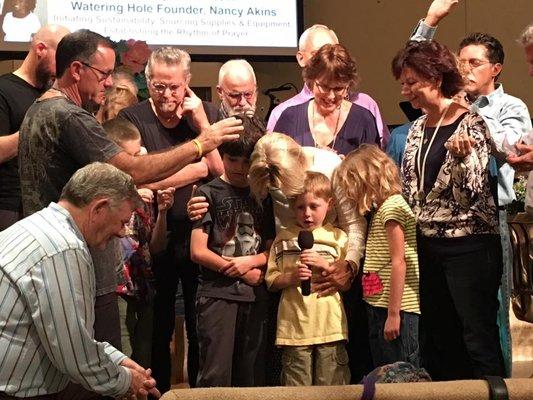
425	30
154	167
438	10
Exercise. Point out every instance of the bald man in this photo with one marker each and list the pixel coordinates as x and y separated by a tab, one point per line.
310	41
237	88
18	90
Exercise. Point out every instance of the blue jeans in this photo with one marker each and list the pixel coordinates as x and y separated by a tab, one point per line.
403	348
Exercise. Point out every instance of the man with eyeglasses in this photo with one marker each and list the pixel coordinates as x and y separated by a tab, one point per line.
312	39
173	115
481	56
237	88
59	135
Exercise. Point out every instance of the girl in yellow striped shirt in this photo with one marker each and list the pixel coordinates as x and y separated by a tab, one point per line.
391	280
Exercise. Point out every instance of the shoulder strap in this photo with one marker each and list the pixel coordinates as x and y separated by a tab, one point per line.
369	387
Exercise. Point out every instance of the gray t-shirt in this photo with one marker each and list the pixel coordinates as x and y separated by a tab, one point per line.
56	139
237	226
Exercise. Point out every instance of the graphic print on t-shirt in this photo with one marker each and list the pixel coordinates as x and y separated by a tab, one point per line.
246	241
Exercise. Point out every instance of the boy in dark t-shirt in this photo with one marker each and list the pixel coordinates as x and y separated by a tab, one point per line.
231	245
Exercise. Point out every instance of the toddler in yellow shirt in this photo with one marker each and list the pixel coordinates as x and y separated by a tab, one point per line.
312	331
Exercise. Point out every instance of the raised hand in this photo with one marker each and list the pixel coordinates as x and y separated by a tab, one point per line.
193	104
165	199
196	206
146	195
438	10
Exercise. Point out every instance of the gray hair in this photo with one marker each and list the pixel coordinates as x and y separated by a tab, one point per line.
235	66
526	38
169	56
309	31
100	180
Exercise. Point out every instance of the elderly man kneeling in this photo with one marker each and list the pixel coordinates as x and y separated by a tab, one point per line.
47	288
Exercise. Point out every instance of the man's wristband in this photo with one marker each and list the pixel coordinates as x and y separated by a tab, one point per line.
199	148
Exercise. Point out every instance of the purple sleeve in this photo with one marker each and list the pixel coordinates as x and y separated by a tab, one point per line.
274	117
370	131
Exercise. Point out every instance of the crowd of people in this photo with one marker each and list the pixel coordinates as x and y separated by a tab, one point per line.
310	249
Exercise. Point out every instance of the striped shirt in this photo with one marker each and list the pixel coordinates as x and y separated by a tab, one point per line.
307	320
378	256
47	295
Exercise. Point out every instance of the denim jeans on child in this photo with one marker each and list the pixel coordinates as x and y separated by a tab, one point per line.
403	348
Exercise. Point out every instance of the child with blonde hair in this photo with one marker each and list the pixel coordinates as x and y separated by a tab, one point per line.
117	97
311	330
391	279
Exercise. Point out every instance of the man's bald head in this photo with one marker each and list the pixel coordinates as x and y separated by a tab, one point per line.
236	70
50	35
237	87
313	39
42	55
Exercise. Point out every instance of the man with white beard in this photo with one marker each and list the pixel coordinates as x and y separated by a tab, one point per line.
237	88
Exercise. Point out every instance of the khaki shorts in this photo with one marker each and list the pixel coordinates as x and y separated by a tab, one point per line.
319	364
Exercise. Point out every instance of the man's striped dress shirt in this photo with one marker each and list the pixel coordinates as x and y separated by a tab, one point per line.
47	311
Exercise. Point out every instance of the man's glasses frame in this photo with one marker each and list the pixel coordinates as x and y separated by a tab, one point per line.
161	87
105	75
236	96
473	63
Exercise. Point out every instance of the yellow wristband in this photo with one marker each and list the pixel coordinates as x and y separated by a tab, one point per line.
199	148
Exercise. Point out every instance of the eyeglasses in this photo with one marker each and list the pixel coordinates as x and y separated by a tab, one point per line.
326	89
473	63
161	87
236	96
104	76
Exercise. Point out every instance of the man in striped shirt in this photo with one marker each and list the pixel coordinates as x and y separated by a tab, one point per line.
47	292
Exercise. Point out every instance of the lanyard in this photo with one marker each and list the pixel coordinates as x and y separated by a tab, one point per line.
421	166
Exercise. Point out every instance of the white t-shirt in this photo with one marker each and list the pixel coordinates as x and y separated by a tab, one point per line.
20	29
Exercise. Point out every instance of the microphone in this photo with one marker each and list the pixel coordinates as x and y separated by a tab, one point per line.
282	88
306	241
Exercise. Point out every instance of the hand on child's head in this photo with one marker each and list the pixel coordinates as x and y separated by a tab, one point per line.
165	198
146	195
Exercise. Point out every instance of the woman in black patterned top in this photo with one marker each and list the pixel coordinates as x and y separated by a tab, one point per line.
446	182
